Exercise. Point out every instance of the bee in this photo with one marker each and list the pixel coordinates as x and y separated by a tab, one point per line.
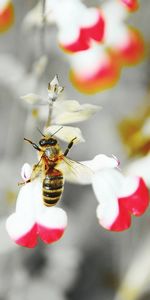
53	166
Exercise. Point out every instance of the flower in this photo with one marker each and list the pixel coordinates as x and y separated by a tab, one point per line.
6	15
97	35
125	42
32	219
61	111
118	198
121	46
135	131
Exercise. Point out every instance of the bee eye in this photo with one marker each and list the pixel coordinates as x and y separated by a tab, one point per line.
42	142
51	142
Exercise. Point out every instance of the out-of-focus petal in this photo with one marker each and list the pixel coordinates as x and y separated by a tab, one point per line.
119	197
114	13
74	113
140	167
34	17
131	5
32	98
52	224
22	230
26	171
133	49
6	15
91	27
67	133
101	72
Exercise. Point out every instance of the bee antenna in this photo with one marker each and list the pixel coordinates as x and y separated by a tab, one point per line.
57	131
40	131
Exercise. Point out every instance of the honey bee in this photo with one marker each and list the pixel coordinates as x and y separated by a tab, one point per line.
53	166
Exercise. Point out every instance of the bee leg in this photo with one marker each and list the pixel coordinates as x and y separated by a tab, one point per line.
69	146
35	173
24	182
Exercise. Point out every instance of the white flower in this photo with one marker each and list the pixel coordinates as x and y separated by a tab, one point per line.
32	219
119	197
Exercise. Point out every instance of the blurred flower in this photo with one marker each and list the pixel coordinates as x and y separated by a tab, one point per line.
61	111
119	197
135	131
6	15
135	134
125	42
97	35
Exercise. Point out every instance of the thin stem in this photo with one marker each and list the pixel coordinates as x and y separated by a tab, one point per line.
48	123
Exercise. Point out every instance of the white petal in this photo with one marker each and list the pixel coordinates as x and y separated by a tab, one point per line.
29	200
67	133
97	58
106	189
32	98
74	112
101	161
53	217
18	225
114	12
116	32
140	167
26	171
54	81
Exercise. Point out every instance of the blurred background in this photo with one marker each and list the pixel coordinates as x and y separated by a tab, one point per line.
88	262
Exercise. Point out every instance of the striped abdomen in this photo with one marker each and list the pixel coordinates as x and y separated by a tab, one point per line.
52	187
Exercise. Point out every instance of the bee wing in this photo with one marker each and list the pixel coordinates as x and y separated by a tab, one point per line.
75	172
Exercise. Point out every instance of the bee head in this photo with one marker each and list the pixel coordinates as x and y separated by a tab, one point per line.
48	142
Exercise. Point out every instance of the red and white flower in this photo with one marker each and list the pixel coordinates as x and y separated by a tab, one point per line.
119	198
125	42
6	15
99	36
121	46
33	220
78	25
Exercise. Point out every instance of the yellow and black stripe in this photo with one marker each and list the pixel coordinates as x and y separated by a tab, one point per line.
52	189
